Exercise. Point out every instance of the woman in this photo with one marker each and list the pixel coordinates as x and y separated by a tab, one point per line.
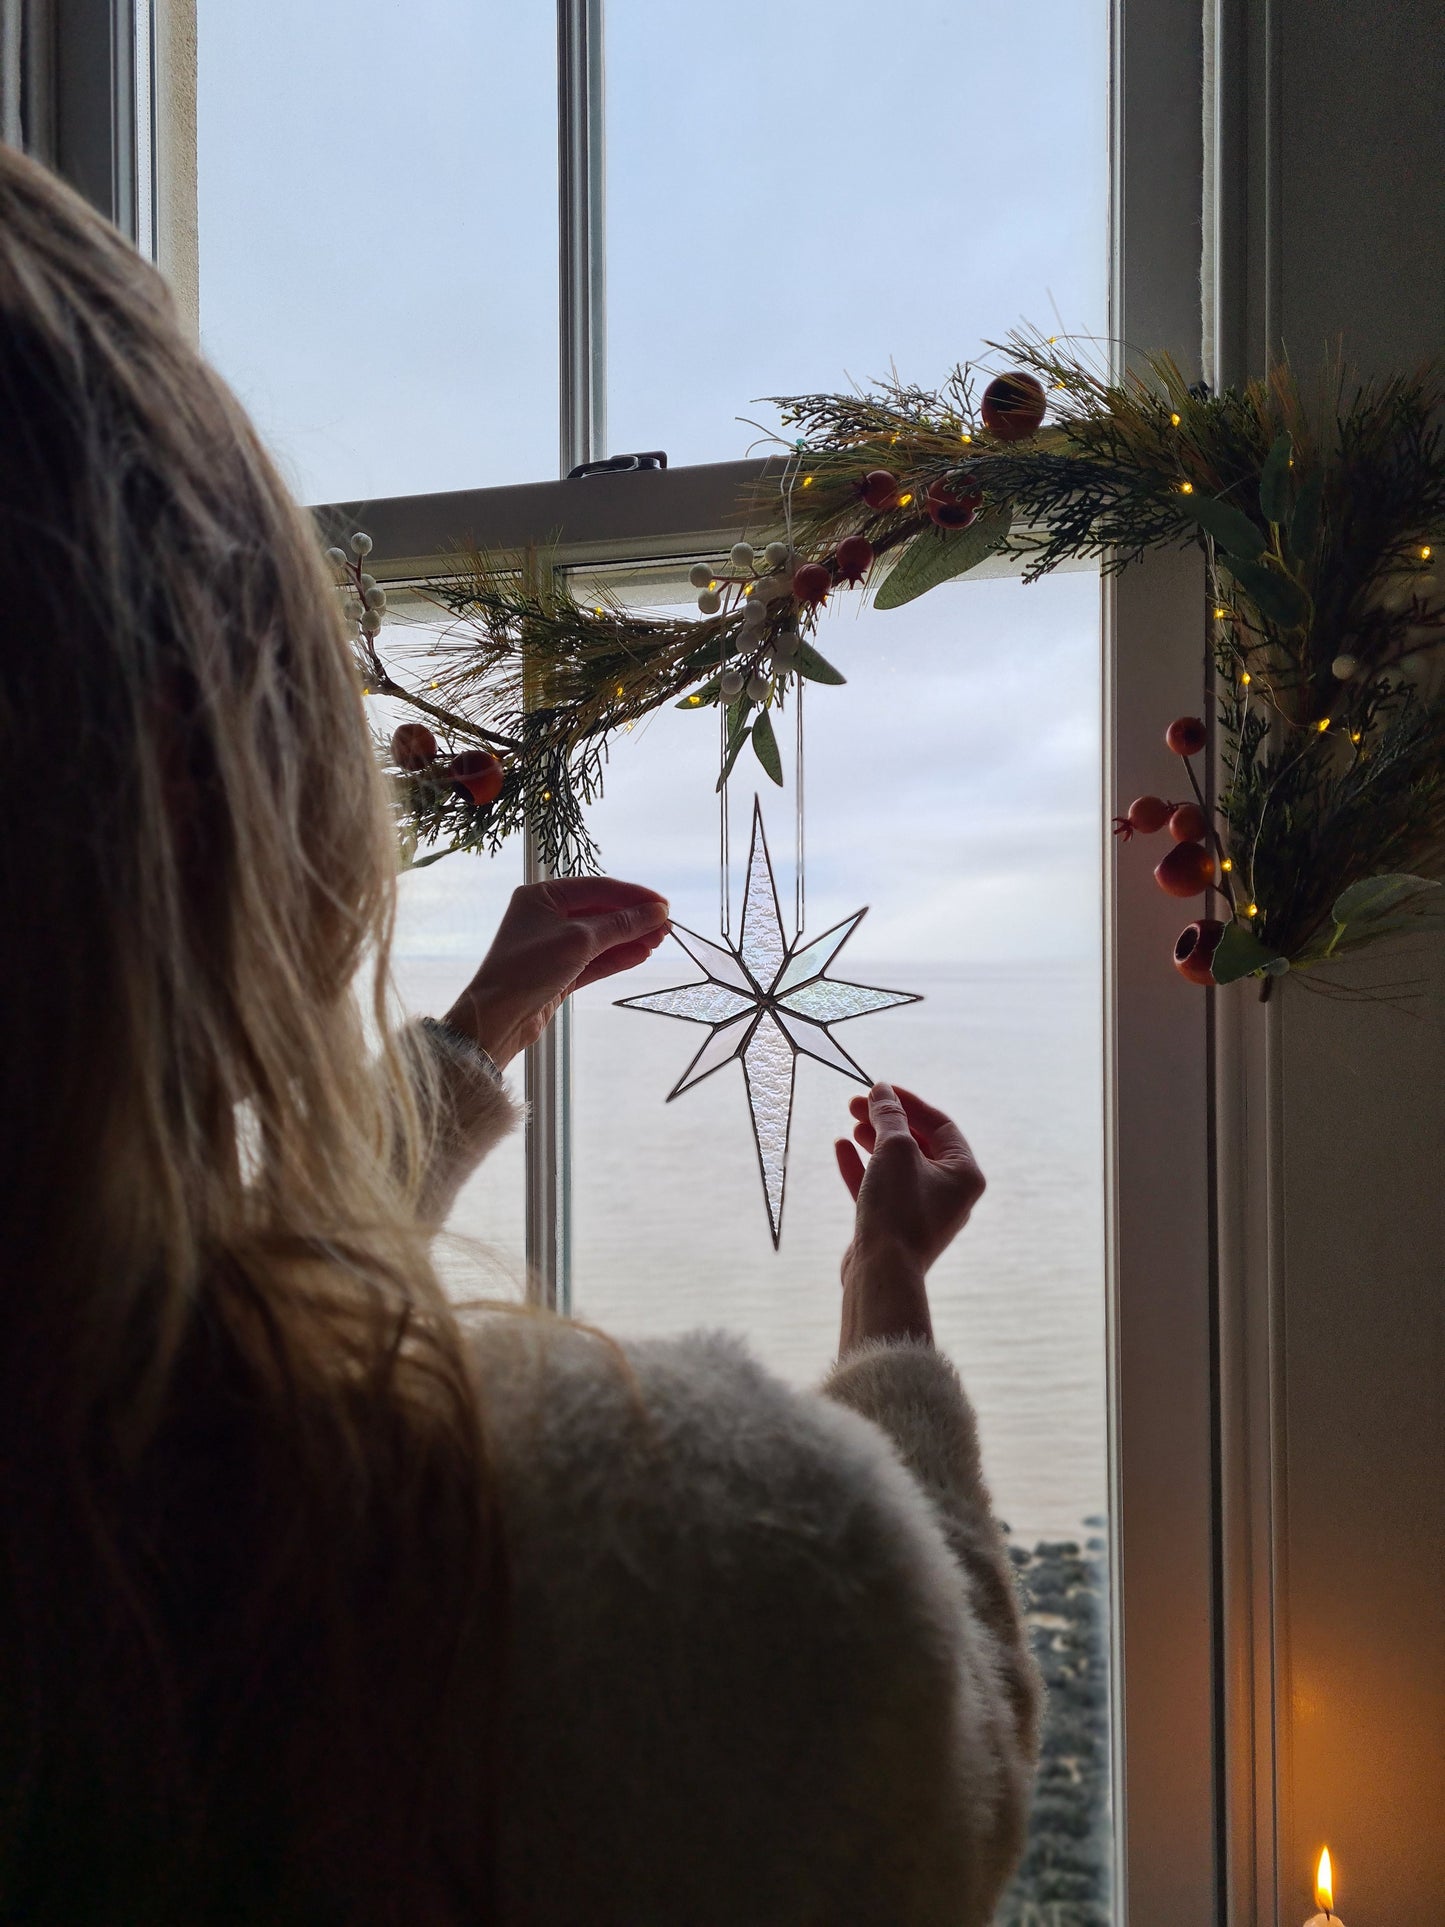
313	1605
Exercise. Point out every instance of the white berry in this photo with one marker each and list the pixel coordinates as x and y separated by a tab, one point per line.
757	687
732	683
742	555
1343	668
375	598
768	588
371	622
361	543
337	558
699	575
776	554
709	602
787	644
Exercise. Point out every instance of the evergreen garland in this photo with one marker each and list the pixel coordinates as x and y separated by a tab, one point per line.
1319	517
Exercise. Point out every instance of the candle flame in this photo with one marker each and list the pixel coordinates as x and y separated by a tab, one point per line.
1325	1883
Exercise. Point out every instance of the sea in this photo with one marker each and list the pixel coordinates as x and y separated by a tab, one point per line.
670	1232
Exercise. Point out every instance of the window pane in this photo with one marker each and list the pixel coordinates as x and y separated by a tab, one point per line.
954	787
378	236
798	195
447	912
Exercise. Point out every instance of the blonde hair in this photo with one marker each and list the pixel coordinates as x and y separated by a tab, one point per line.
250	1588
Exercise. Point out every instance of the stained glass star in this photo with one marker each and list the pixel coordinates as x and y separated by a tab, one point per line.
765	1001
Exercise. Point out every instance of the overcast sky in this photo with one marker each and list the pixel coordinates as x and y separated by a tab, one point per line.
798	192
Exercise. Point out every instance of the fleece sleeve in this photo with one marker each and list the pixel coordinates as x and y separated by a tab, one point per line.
913	1394
466	1111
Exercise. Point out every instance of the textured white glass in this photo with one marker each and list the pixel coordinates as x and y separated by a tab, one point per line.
762	943
378	236
829	1003
700	1003
770	1065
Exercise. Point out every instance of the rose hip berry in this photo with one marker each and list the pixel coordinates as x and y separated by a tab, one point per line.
1185	735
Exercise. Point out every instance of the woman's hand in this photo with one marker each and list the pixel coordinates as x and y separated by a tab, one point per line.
914	1196
554	938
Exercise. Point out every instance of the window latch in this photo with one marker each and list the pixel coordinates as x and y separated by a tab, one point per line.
619	465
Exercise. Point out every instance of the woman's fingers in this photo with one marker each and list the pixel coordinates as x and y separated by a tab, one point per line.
592	896
628	924
946	1139
623	956
886	1114
934	1131
850	1165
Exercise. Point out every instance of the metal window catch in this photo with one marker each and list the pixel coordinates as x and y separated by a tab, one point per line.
619	465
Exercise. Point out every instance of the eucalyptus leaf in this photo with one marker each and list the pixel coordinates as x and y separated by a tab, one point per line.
1278	597
1305	522
1274	480
1371	897
816	668
1230	527
765	743
934	557
1239	953
737	736
696	698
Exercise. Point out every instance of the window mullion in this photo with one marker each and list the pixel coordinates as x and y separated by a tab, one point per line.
582	411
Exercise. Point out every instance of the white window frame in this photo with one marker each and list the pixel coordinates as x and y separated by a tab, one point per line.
1173	1779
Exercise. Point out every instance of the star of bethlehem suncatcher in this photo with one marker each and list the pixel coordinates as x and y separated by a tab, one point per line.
765	1000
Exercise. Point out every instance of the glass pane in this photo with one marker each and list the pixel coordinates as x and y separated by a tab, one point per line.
446	914
378	236
842	188
953	786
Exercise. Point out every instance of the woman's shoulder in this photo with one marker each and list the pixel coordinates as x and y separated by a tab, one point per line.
579	1420
737	1627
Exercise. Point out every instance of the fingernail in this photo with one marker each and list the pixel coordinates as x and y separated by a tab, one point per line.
881	1090
656	912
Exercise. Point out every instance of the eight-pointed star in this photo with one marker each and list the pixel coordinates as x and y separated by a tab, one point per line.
766	1000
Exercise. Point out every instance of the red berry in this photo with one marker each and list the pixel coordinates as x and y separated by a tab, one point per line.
880	489
413	746
1013	406
479	773
1186	870
812	582
1185	735
854	558
953	505
1148	814
1194	950
1187	825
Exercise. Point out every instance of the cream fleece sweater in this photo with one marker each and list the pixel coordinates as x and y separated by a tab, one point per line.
766	1667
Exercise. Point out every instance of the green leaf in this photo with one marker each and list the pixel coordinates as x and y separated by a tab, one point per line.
816	668
765	743
938	555
1230	527
1304	523
1274	480
1277	596
697	698
1371	897
737	736
1239	953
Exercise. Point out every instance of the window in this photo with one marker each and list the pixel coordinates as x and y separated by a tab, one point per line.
761	220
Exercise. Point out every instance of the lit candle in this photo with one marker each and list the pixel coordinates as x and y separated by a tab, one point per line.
1325	1894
